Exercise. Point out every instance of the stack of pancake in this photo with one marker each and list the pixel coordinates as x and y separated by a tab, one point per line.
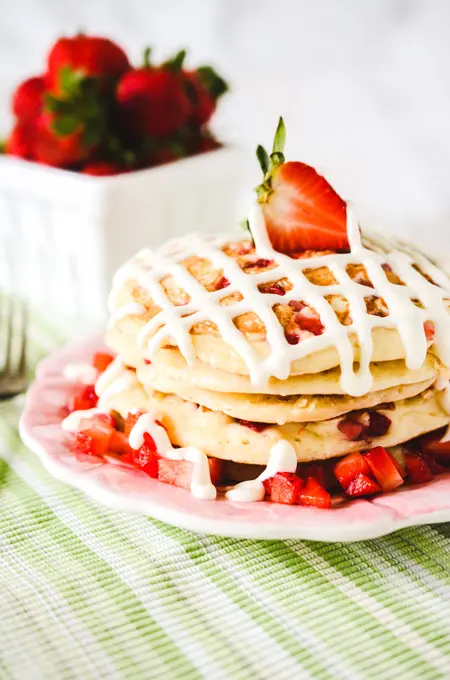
167	331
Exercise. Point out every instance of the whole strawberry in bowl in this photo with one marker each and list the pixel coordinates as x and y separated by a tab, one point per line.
105	157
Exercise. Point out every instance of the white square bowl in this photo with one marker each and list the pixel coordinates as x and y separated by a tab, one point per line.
64	234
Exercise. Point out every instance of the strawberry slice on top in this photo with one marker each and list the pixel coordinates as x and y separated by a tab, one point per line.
301	210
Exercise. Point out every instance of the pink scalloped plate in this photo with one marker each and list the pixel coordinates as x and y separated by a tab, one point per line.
123	488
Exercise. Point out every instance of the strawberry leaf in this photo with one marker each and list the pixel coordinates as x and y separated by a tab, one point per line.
65	125
211	81
263	158
146	62
280	138
175	64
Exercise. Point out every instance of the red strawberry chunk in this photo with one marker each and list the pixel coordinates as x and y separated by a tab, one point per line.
146	458
313	494
94	441
309	323
436	465
292	336
260	263
256	427
84	400
383	468
431	443
275	288
348	468
379	424
350	428
131	420
101	361
296	305
101	420
285	487
220	282
119	443
179	472
428	327
362	485
417	469
320	472
147	361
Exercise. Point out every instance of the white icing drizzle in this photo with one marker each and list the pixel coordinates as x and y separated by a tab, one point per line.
201	485
80	373
282	458
73	421
130	309
117	378
149	267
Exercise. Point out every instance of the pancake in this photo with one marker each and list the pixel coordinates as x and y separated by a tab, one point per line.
170	370
263	408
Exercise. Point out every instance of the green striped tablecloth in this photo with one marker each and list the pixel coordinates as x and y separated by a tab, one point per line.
86	592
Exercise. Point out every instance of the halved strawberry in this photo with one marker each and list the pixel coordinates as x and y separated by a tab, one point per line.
383	468
313	494
131	420
84	400
101	361
362	485
179	472
348	468
417	469
301	210
285	488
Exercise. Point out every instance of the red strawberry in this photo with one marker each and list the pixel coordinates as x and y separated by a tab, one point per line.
60	150
301	210
256	427
101	361
362	485
21	140
131	420
89	56
204	87
285	488
102	169
418	471
84	400
313	494
383	468
349	467
350	428
28	98
152	101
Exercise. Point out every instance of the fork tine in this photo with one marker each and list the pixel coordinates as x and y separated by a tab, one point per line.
22	352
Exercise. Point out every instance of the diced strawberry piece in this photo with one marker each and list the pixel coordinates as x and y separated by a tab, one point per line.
147	361
131	420
435	465
362	485
348	468
417	469
275	288
119	443
285	488
268	485
309	323
428	327
101	361
292	336
351	428
431	443
84	400
379	424
220	282
260	263
383	468
314	494
94	441
317	470
179	472
256	427
297	305
146	458
101	420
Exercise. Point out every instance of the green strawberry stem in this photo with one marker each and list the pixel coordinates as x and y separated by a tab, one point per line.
211	81
270	163
146	60
176	63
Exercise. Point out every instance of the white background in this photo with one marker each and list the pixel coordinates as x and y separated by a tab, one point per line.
364	85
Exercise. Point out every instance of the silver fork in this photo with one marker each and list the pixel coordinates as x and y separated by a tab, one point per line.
13	346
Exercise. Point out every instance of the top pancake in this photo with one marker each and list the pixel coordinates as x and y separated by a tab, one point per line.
299	322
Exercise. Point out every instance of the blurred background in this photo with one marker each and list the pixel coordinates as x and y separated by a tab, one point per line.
363	86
